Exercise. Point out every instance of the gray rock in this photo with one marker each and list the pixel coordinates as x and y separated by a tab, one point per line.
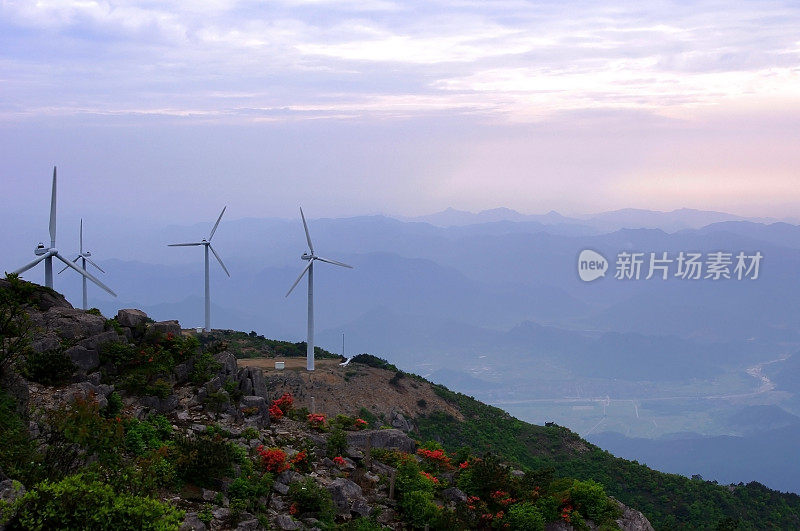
257	404
286	522
131	318
181	372
360	507
10	490
160	405
46	342
400	422
454	494
517	473
632	520
70	323
209	495
249	524
251	381
85	359
228	369
280	488
221	513
389	439
344	493
385	516
288	477
95	342
165	327
278	504
192	523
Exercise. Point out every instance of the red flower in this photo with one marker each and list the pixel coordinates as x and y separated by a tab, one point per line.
339	460
464	465
293	509
273	459
275	413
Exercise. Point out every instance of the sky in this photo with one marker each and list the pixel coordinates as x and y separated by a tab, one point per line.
159	112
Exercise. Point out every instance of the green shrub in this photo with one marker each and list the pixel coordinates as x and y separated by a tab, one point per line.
249	488
15	325
146	435
312	499
203	459
590	499
418	508
78	502
373	361
204	368
337	443
51	367
525	516
114	405
17	450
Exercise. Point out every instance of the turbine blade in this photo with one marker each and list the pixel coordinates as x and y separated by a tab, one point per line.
53	209
65	267
298	278
85	273
217	223
92	262
219	259
28	266
184	244
81	251
334	262
308	236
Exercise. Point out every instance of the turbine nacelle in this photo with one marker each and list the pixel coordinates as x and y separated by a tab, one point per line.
40	249
307	256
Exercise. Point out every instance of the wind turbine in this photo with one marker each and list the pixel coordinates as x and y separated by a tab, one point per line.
84	257
48	253
206	243
310	269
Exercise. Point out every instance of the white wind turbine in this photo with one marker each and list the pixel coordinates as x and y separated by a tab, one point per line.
310	269
83	256
206	243
48	253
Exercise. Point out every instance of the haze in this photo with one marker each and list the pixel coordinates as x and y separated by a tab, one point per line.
163	111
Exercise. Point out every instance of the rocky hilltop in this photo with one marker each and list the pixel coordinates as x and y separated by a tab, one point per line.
131	423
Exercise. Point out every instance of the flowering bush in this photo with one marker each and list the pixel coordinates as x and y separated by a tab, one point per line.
284	403
435	457
360	424
316	420
300	461
273	459
433	479
339	460
275	413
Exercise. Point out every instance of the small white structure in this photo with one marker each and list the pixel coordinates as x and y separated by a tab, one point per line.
280	365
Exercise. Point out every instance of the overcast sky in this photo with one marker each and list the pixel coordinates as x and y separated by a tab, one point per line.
167	110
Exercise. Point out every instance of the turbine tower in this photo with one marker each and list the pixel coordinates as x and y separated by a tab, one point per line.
206	243
48	253
84	257
310	269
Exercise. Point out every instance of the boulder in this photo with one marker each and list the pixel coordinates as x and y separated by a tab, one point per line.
10	490
286	522
388	439
85	359
345	495
454	494
165	327
160	405
632	520
228	367
97	341
70	323
400	422
43	343
255	406
131	318
251	381
192	523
